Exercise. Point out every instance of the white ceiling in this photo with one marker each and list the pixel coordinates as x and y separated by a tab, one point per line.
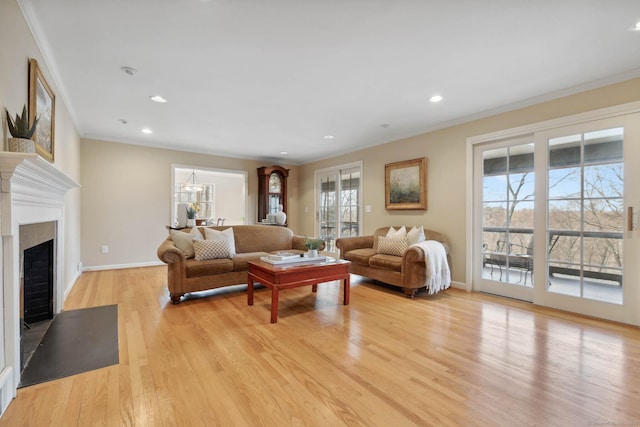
252	78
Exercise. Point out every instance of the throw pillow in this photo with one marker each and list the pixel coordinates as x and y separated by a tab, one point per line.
416	235
184	241
397	234
391	246
211	249
227	235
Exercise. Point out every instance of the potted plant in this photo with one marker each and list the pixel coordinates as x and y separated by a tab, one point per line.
192	210
21	132
312	245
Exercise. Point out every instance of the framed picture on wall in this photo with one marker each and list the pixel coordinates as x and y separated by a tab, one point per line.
42	104
405	185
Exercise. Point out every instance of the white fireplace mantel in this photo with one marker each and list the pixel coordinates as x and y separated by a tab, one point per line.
32	191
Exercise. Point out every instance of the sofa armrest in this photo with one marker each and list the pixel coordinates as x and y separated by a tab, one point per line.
169	253
346	244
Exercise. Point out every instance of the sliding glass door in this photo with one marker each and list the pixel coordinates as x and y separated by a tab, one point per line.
555	217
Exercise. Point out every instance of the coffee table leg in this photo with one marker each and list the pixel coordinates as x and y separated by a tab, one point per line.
274	304
347	289
249	291
314	288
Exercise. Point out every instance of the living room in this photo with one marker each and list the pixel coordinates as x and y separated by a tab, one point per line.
124	195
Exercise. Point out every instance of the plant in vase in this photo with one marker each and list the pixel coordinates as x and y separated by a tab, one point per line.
312	245
21	132
192	211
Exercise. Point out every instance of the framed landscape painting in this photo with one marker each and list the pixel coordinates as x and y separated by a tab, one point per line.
405	184
42	104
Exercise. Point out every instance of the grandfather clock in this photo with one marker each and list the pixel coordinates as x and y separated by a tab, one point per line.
272	190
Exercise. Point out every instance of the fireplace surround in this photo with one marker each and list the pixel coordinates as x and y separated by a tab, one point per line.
32	191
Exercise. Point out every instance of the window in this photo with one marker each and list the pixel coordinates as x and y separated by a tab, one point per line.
339	202
585	214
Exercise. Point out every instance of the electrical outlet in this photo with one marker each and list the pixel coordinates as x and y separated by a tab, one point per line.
105	249
80	267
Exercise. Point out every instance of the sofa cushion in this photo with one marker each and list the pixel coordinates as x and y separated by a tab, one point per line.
211	249
226	235
241	261
387	262
360	256
392	246
184	241
208	267
416	235
397	234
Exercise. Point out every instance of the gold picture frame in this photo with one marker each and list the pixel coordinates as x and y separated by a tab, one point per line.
405	185
42	104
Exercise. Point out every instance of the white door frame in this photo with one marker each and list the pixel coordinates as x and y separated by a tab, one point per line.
632	314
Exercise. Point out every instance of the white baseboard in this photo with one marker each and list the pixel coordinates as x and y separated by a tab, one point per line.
459	285
121	266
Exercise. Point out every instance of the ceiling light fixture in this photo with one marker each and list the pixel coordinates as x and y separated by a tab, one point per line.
158	99
637	26
147	131
436	98
129	70
284	152
328	137
192	185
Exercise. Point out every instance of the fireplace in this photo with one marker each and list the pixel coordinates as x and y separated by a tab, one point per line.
32	212
37	297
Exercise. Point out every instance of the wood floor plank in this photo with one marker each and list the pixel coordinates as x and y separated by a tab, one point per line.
452	359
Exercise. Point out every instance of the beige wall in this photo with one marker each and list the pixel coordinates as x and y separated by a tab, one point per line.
126	194
446	177
17	46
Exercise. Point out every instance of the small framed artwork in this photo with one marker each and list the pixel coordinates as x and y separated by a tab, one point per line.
405	184
42	104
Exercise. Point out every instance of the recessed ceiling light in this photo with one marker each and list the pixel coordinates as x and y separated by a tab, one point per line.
129	70
328	137
637	26
158	98
147	131
436	98
284	152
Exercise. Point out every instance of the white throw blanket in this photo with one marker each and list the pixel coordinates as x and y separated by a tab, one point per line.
438	275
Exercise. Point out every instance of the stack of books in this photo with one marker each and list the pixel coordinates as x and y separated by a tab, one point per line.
288	257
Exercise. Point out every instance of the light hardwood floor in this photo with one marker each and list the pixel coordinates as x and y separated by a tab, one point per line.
456	358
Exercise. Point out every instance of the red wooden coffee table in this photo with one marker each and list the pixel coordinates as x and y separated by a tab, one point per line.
288	276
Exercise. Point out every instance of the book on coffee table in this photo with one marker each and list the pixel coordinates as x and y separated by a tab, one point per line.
272	260
283	256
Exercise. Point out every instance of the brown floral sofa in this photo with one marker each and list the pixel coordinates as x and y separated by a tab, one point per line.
222	264
407	271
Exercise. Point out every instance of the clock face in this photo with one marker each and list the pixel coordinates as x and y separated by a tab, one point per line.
275	184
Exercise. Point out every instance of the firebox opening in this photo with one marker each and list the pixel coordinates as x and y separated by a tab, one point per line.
37	285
